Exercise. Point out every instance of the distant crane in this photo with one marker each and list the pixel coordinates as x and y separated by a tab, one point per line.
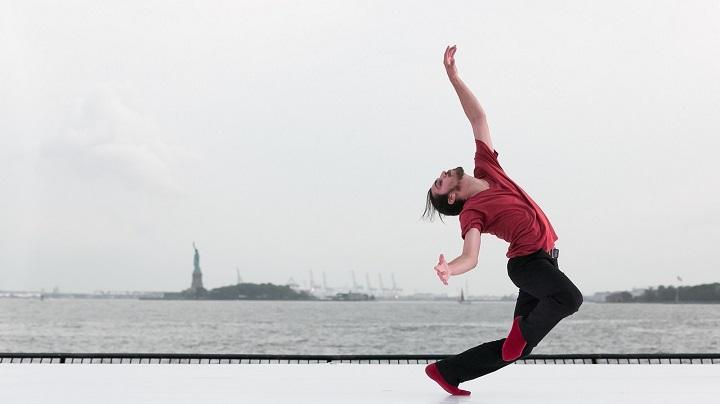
292	284
313	286
383	290
395	289
355	285
326	290
370	289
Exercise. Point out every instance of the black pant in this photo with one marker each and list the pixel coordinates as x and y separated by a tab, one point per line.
546	296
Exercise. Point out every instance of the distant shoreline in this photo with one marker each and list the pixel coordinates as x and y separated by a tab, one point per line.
405	300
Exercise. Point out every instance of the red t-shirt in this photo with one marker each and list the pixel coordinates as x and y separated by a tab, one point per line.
505	210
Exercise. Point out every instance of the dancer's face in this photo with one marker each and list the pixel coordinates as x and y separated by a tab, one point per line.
447	181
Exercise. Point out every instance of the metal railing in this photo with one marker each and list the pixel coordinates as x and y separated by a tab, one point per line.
186	358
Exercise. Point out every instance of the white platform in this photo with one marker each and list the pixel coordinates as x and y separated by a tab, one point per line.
351	383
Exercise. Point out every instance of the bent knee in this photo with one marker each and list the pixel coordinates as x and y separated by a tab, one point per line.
578	300
569	301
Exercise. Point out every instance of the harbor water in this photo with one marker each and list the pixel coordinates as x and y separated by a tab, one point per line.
313	327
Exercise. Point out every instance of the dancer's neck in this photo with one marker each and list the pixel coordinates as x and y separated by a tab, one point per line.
471	186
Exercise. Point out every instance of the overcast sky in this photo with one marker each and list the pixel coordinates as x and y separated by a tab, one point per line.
289	136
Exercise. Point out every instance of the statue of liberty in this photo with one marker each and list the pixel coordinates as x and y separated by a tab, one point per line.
196	285
197	259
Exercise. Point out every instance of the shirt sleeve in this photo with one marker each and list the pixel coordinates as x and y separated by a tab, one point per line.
486	163
469	220
484	156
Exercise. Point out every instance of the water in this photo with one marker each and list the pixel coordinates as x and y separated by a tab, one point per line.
263	327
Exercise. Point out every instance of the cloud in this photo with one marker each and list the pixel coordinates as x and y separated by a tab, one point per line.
109	141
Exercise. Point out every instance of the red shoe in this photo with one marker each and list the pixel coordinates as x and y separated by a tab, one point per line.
432	371
514	343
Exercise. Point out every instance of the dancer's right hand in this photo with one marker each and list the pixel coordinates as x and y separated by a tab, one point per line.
442	270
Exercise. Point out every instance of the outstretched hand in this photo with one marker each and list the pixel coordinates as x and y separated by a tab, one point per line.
449	60
442	270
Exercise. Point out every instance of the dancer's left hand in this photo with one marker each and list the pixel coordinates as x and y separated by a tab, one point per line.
442	269
449	60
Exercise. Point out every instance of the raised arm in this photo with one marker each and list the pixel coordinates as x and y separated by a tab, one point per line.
470	104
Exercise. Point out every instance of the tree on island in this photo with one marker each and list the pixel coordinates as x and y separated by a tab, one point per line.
254	291
705	293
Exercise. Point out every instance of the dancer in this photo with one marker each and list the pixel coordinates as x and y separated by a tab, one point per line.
490	202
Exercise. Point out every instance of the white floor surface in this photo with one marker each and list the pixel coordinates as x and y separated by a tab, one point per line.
353	383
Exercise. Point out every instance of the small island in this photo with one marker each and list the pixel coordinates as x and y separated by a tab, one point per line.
240	291
705	293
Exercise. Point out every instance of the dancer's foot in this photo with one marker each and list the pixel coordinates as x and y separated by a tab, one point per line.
514	343
432	371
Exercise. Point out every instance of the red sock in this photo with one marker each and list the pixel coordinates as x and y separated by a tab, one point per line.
514	343
432	371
